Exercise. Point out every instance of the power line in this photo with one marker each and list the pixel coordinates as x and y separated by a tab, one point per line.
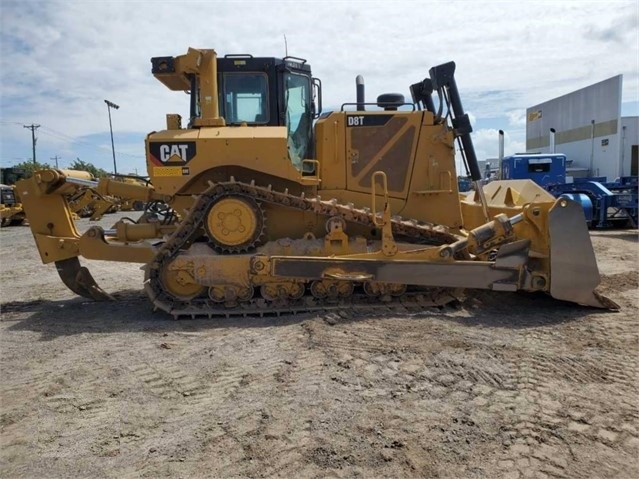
33	128
62	136
56	158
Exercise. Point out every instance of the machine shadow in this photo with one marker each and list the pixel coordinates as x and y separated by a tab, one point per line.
632	235
133	313
521	310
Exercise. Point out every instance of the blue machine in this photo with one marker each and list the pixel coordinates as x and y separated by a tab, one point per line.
545	170
610	203
605	204
464	183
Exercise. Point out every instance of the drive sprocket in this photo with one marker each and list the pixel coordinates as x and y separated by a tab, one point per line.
235	223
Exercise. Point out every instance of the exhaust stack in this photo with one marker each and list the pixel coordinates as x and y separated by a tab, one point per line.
501	154
361	98
552	140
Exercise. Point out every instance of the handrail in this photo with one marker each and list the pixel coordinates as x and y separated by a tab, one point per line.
289	57
374	194
381	105
312	179
450	185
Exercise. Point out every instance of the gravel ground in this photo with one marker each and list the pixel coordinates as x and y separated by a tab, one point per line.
505	385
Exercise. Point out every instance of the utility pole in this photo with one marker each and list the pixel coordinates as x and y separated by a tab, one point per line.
56	158
109	106
33	128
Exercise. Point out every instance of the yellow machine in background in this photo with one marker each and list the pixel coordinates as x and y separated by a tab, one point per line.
87	202
130	204
11	212
264	204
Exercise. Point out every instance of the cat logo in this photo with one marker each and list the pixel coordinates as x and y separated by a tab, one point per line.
172	152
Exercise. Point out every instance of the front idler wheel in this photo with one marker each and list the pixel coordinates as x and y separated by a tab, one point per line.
180	283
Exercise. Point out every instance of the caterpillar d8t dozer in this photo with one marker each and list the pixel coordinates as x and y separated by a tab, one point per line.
263	204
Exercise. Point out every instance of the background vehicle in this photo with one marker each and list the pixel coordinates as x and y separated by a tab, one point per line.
128	204
605	203
11	212
257	210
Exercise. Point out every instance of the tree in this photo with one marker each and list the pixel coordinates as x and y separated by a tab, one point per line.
80	165
24	170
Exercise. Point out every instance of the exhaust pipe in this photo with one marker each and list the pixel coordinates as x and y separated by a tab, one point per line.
552	140
361	99
501	155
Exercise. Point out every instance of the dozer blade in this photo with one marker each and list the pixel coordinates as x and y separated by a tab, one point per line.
573	266
79	280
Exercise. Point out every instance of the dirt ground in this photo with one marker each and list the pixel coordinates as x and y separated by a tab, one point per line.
505	385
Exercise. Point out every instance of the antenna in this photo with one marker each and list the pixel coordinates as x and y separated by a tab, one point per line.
285	46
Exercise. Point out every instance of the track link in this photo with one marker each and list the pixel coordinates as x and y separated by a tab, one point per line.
190	228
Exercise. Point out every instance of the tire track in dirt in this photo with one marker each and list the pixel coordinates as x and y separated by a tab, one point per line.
377	362
311	380
88	414
541	434
281	439
75	396
490	370
230	431
168	381
535	433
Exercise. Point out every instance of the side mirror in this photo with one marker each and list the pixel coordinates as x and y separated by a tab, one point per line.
317	94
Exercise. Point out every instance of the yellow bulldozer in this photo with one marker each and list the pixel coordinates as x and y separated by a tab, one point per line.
264	204
11	212
87	202
129	204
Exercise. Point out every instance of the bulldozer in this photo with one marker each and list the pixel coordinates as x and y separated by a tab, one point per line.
128	204
265	204
86	203
11	212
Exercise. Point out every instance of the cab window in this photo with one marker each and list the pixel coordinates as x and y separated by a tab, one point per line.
245	98
299	116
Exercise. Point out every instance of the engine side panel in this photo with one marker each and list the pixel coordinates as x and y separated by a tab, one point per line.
176	157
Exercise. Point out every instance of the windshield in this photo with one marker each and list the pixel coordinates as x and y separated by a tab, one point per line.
298	116
245	98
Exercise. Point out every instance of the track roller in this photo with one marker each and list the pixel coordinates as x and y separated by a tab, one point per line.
332	289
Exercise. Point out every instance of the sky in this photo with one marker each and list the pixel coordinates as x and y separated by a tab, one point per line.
59	61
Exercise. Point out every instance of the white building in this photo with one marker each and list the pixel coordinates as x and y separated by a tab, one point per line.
588	129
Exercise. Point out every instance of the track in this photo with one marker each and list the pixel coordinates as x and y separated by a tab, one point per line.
192	225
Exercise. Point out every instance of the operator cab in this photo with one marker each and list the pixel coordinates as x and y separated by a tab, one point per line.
270	92
251	91
7	196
